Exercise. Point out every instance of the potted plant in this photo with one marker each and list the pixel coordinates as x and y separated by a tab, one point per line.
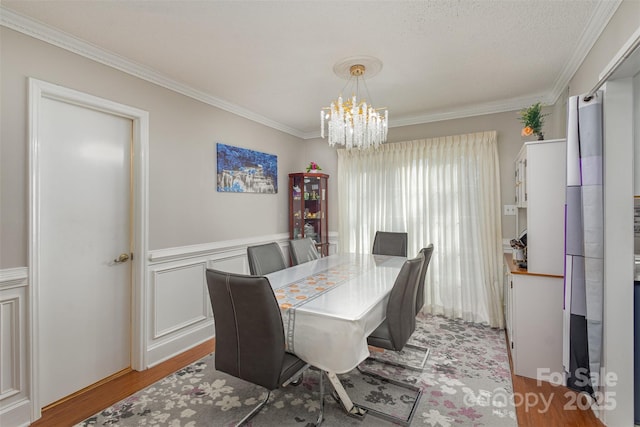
532	119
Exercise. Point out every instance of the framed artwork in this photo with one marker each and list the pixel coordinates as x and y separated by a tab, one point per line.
241	170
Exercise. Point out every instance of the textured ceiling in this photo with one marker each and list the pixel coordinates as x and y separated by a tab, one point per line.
272	61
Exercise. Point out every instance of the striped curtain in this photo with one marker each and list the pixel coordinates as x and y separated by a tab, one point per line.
584	244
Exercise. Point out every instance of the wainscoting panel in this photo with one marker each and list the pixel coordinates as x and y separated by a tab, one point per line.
179	314
179	298
15	406
177	311
9	346
233	262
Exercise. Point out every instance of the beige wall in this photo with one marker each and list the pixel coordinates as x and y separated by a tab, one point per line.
509	143
622	25
624	22
184	206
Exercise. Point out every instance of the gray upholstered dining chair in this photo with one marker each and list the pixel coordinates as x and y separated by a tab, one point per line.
400	323
395	330
390	243
303	250
250	341
265	259
427	252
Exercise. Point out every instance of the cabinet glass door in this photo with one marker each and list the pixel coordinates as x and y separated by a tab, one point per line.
308	209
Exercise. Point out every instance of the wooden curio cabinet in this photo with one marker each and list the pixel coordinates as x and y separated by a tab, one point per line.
308	208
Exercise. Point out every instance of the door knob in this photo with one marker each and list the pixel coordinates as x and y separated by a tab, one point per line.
123	257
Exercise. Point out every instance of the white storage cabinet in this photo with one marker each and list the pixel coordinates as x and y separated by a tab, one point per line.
534	296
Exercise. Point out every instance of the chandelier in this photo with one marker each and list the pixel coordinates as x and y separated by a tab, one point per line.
352	122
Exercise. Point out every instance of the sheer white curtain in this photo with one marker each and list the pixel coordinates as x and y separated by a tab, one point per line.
444	191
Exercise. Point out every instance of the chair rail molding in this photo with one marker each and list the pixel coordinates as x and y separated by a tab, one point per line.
13	277
178	273
217	249
169	330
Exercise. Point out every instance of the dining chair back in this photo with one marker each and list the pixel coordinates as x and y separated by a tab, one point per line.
427	252
395	330
390	243
303	250
265	259
250	342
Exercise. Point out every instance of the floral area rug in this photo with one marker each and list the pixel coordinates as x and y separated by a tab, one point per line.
465	382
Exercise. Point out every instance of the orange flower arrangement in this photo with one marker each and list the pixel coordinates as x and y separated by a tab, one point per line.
533	119
527	131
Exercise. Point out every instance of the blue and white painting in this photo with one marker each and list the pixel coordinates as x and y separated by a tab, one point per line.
241	170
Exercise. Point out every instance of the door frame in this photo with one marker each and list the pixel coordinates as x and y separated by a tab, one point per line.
39	90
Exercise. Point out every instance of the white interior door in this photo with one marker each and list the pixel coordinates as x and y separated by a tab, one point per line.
84	158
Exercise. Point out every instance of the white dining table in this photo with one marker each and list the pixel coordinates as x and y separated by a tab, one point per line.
330	306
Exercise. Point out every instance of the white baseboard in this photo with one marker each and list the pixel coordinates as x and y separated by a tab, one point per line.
17	414
191	326
175	271
179	343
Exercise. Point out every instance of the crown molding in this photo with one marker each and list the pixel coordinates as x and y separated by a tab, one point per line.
597	23
601	16
592	30
500	106
47	34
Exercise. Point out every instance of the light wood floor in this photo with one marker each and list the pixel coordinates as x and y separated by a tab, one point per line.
544	404
93	401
